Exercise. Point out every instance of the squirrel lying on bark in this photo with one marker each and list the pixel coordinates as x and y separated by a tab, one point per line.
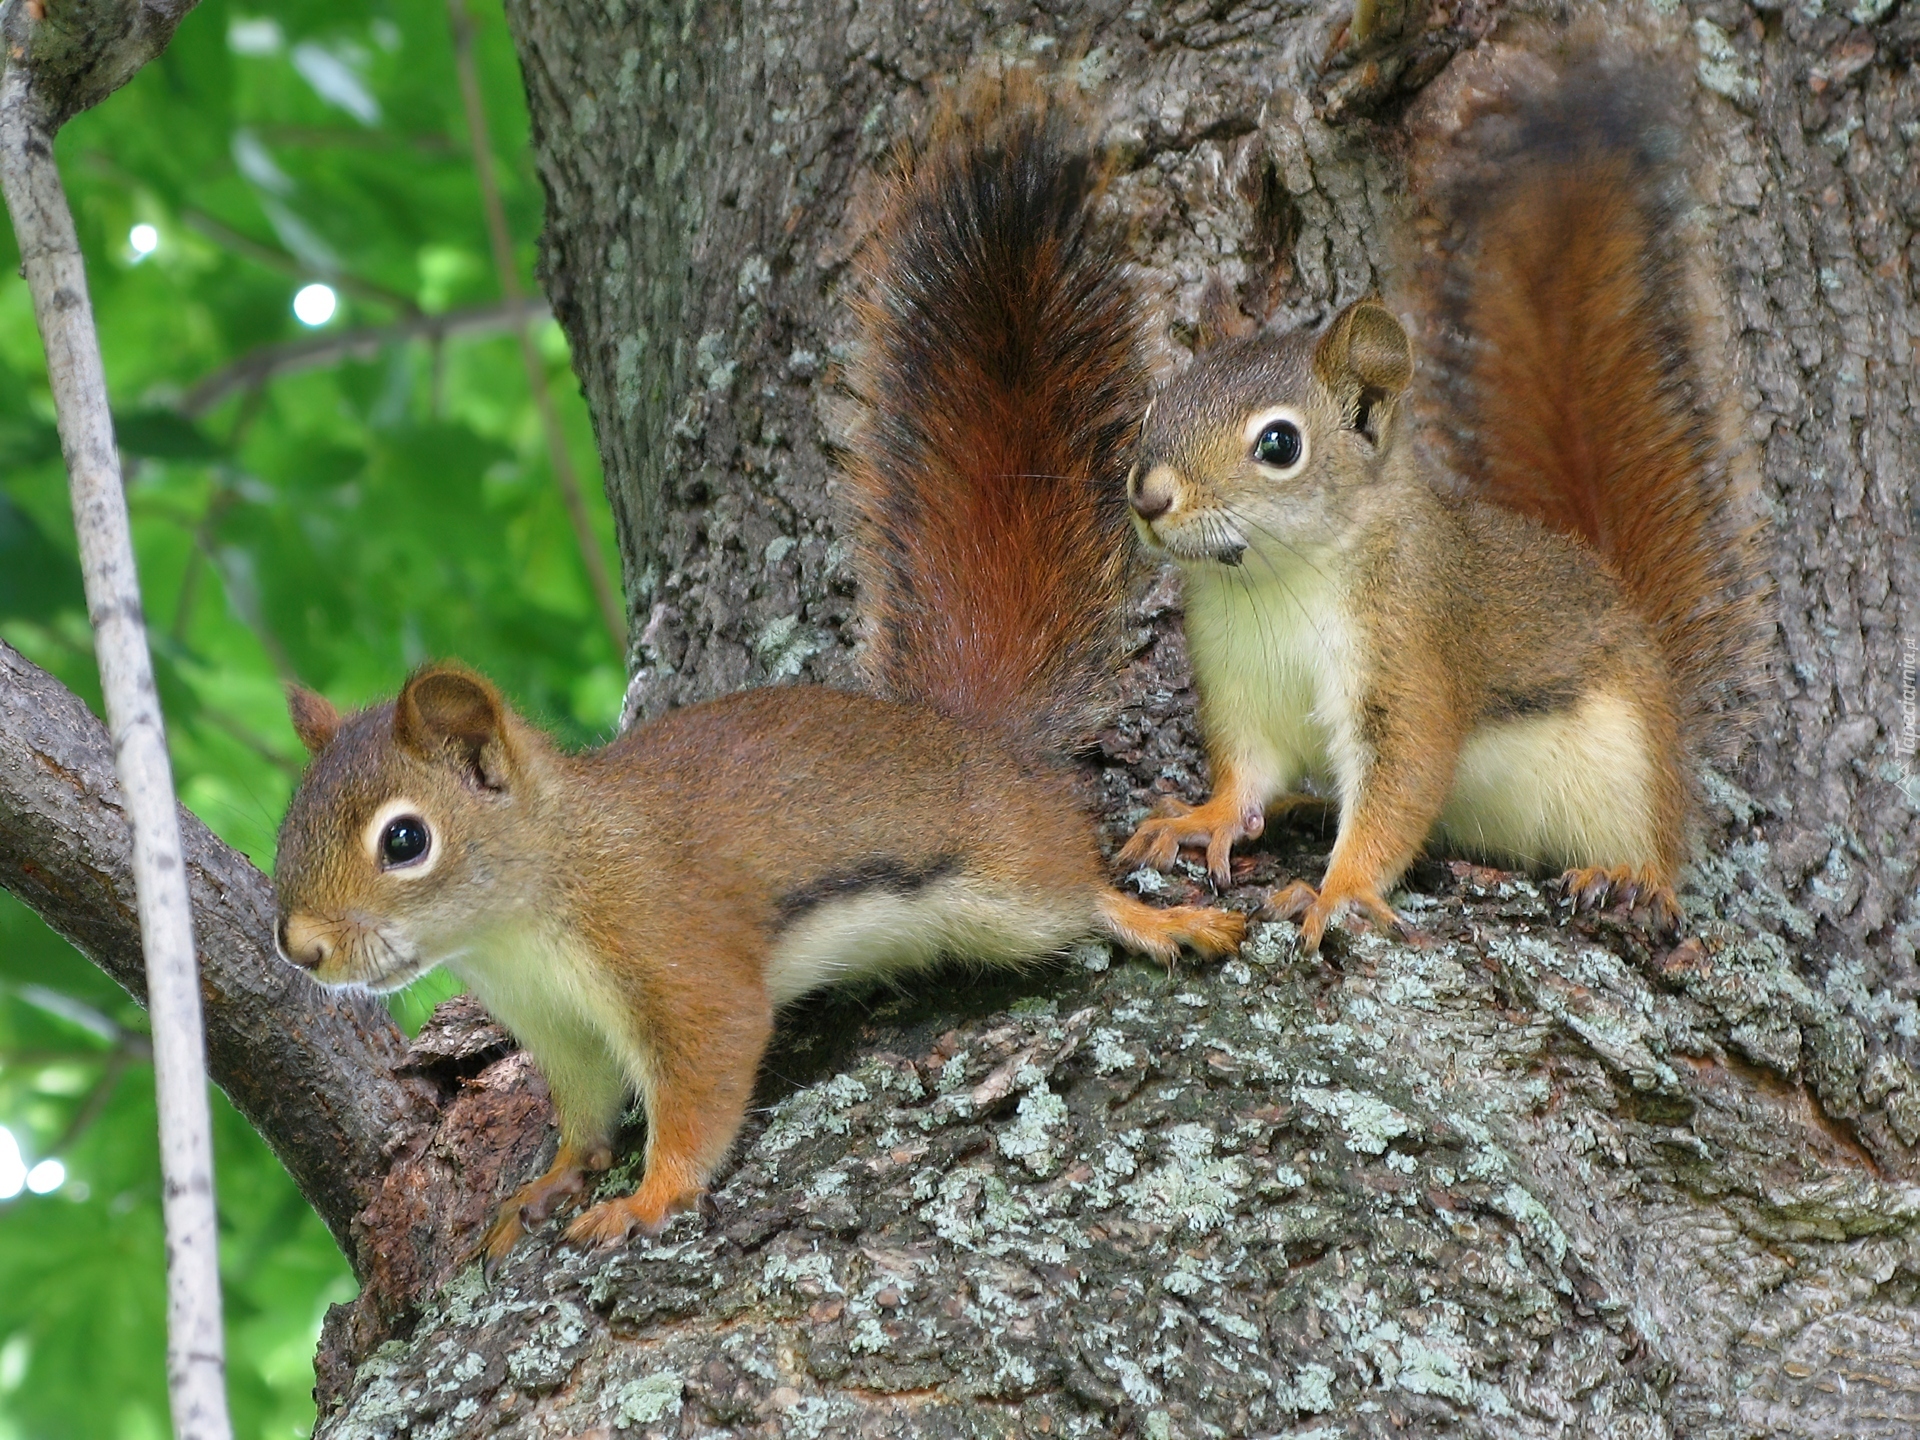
637	914
1532	672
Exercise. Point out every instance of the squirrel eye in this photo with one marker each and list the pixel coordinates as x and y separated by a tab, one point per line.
404	840
1278	445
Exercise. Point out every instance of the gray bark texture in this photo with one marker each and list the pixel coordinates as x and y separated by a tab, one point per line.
1520	1176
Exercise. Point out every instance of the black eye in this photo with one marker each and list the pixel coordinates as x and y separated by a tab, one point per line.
1278	445
404	840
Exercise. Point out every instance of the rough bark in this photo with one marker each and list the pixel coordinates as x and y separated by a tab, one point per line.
312	1070
1523	1176
81	51
1520	1177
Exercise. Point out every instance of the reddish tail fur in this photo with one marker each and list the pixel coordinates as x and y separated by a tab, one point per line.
1003	391
1575	390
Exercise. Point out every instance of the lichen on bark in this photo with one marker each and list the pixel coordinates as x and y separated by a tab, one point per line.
1517	1177
1497	1182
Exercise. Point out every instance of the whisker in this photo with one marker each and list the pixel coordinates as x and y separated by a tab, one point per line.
1280	577
1245	519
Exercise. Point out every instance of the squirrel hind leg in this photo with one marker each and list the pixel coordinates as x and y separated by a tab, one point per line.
1151	930
1595	887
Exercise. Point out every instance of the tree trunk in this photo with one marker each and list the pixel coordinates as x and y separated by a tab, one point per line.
1521	1177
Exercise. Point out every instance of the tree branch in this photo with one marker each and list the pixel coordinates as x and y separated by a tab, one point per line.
57	280
311	1070
81	51
264	364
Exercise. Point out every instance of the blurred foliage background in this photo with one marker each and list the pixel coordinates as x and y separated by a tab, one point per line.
332	502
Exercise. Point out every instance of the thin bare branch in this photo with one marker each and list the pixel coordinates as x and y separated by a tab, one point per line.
118	1059
564	475
56	278
255	369
273	258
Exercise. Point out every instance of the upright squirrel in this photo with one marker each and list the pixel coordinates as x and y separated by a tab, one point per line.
637	914
1532	672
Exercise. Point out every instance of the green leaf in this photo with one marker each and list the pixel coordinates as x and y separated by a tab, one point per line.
163	435
37	578
338	524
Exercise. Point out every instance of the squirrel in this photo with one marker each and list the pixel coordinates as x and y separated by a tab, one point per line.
637	914
1532	670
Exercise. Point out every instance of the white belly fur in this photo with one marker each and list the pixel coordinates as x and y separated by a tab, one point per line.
554	999
1269	650
1270	647
880	931
1556	791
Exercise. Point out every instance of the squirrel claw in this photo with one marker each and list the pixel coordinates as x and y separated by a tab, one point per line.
1317	909
1595	887
500	1236
534	1202
1218	827
612	1222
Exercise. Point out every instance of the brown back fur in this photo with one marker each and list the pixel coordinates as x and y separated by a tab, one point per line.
1003	391
1573	393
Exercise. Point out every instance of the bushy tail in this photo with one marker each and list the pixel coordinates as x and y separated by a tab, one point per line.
1002	389
1575	389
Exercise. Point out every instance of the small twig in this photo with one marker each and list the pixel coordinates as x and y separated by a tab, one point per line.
56	278
254	369
246	605
502	240
228	238
34	1058
189	592
245	737
121	1056
74	1012
353	137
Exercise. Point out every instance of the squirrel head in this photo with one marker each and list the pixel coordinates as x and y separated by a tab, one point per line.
407	835
1268	438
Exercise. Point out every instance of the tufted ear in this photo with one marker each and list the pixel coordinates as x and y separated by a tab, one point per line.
1365	360
315	720
448	715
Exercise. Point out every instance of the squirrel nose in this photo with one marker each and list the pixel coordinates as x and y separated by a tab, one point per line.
302	943
1153	493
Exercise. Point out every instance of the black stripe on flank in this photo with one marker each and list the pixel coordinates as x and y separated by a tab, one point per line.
1548	699
890	875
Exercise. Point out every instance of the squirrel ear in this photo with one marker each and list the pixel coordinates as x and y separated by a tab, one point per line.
1366	360
449	715
315	720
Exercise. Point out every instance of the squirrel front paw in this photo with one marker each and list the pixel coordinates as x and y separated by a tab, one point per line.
1218	825
1317	909
564	1182
612	1221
